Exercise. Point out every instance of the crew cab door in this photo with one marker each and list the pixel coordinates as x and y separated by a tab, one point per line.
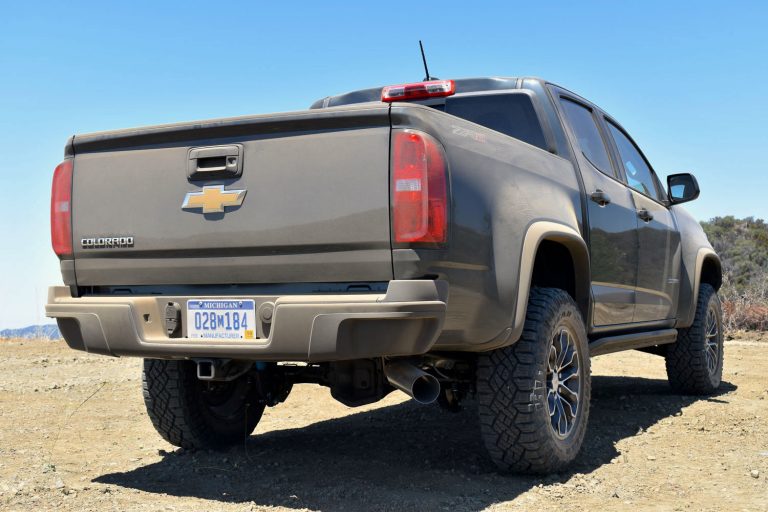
659	249
611	214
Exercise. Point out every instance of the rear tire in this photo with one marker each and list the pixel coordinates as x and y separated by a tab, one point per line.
191	413
533	419
695	360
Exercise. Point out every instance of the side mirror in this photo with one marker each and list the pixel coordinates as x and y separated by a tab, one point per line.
682	188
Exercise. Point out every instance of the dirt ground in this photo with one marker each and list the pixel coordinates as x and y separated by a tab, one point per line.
74	436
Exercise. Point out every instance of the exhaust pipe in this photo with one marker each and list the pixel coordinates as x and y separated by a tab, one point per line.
416	383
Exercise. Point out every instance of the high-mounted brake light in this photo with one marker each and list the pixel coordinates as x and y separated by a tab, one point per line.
419	189
419	90
61	209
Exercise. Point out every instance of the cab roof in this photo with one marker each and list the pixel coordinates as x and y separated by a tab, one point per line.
462	85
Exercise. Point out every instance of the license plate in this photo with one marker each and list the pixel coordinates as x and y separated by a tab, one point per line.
222	319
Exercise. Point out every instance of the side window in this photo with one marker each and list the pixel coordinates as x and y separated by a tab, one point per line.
639	175
585	129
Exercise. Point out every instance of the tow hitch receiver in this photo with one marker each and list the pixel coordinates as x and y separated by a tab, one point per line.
221	369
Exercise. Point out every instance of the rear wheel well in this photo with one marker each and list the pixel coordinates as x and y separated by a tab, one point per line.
553	268
553	256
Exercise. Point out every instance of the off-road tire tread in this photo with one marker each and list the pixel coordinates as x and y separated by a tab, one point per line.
686	359
174	408
514	435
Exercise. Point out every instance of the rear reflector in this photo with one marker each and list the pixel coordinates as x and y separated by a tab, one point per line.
61	209
419	189
432	89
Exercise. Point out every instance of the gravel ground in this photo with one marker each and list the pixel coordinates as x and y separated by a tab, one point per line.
74	436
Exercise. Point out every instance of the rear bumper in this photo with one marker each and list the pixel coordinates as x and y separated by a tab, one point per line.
405	321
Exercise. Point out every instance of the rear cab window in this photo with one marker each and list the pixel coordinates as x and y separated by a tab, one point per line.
512	114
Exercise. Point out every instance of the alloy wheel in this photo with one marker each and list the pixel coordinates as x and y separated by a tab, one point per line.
713	340
563	382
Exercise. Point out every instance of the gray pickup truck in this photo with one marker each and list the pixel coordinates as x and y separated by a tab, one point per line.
474	238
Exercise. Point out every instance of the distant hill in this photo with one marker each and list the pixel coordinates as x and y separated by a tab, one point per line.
48	331
743	248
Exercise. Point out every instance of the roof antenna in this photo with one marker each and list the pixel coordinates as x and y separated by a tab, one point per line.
426	70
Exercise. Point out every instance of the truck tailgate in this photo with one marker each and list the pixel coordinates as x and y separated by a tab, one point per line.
315	206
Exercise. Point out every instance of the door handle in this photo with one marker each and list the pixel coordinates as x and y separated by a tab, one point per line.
645	215
600	197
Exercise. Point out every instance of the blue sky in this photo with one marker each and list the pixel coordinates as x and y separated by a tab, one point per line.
687	79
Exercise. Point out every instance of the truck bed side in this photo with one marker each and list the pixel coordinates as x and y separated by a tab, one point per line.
500	186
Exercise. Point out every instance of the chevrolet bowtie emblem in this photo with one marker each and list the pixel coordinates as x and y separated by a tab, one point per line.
213	199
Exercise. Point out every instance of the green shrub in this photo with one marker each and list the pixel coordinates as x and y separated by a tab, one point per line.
743	248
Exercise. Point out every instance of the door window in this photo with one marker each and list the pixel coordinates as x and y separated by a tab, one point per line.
639	175
585	129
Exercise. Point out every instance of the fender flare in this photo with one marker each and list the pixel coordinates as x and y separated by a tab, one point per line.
702	255
536	233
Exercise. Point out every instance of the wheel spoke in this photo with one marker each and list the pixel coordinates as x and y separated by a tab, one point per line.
551	401
552	362
712	330
569	360
570	387
570	403
712	357
562	421
568	374
563	340
554	413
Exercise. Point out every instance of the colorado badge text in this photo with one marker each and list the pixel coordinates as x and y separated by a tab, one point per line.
108	242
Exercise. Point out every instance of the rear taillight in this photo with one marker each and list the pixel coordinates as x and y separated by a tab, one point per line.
419	189
419	90
61	209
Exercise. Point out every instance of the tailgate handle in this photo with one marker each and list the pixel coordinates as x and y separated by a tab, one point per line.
215	162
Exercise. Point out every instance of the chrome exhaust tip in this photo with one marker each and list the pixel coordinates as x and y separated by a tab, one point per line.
414	382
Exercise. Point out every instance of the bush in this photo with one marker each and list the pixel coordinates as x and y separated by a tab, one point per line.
743	248
745	307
